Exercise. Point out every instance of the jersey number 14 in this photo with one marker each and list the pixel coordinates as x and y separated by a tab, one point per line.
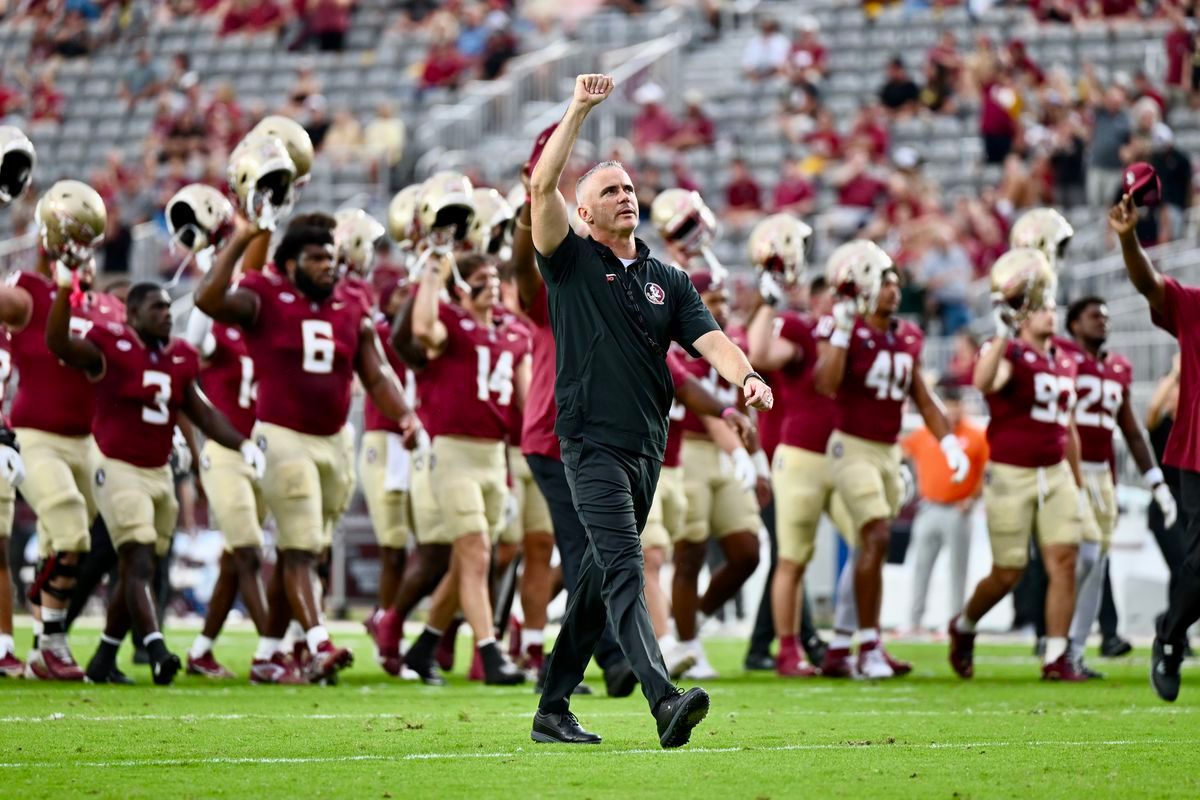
497	380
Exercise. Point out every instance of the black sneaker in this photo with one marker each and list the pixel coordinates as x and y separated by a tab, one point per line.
1115	646
164	670
815	648
678	714
1164	669
118	678
759	662
427	670
101	669
550	728
619	679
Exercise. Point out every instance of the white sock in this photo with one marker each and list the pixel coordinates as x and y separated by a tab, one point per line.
482	643
54	614
37	627
6	644
532	636
1055	647
432	631
868	636
201	646
840	641
151	637
316	636
104	637
294	632
964	624
667	643
267	648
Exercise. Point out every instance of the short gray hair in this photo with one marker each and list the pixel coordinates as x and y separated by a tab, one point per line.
602	165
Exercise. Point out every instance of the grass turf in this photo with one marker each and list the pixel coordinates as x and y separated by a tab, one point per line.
1003	734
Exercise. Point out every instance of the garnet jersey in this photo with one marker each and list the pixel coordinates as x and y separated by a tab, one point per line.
351	287
807	417
304	354
515	324
1031	414
373	418
468	389
679	375
45	382
1101	386
139	393
726	393
227	376
879	372
6	370
537	428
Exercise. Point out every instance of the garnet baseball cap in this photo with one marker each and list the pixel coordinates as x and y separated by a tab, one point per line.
540	145
1141	182
705	282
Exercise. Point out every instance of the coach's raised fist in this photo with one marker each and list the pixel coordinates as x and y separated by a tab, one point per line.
591	90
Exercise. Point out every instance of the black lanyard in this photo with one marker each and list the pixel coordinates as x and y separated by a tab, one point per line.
633	305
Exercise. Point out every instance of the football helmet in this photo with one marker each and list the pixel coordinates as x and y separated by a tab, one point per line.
446	202
856	270
198	217
354	238
17	161
683	220
1043	229
294	138
71	219
402	215
1024	279
261	175
777	245
492	225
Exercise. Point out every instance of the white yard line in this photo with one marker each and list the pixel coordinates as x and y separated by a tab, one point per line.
550	751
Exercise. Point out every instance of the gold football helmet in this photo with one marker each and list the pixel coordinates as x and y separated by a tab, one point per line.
777	245
1025	280
492	226
262	175
403	225
446	203
856	269
1043	229
297	141
355	237
683	220
71	219
17	160
198	217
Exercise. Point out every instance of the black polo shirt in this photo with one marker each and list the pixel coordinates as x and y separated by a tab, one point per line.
612	327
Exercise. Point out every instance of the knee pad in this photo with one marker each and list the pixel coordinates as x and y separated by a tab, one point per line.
1088	558
50	569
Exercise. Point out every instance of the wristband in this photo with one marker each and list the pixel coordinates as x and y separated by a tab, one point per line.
761	465
1154	476
840	339
756	376
522	225
728	411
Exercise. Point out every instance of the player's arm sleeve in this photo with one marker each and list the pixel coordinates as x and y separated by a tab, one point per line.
560	265
691	319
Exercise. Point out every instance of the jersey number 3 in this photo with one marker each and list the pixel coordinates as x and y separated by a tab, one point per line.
157	412
890	375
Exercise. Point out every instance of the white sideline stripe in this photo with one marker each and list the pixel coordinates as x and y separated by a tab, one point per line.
539	753
958	712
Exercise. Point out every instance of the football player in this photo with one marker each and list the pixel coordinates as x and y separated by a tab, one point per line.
470	377
1102	389
1033	484
871	362
144	377
784	342
721	502
55	437
307	342
687	227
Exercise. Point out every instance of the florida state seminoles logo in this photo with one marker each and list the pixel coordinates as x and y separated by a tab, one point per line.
655	294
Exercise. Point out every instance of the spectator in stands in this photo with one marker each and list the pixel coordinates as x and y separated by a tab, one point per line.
46	102
142	80
999	107
1174	169
224	104
937	95
823	140
695	129
252	16
12	99
795	193
682	176
88	10
1018	187
384	137
473	31
962	358
871	125
860	186
946	272
766	53
899	92
808	60
316	119
1110	132
344	140
1113	9
72	39
187	133
500	47
445	67
1143	89
653	125
1179	45
1061	11
945	60
1068	140
1024	68
743	196
327	22
798	112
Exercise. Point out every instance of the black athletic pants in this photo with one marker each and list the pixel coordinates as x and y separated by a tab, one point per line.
1184	608
571	540
612	489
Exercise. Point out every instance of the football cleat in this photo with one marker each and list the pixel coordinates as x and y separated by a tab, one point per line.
534	659
389	627
476	671
1062	669
35	668
898	667
1115	646
164	670
501	673
371	623
1165	660
57	664
327	662
794	666
837	663
11	666
962	650
206	666
514	637
300	654
872	662
277	669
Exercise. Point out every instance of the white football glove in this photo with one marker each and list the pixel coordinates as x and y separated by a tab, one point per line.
956	459
844	312
744	469
1002	316
770	290
12	466
254	457
183	453
910	485
63	276
1166	503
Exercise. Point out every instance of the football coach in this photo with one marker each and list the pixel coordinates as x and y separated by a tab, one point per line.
614	310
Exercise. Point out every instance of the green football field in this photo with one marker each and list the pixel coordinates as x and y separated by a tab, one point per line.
1004	734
